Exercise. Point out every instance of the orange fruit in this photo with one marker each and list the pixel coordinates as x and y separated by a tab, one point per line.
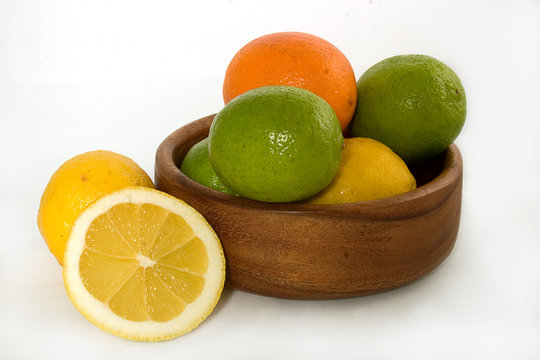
295	59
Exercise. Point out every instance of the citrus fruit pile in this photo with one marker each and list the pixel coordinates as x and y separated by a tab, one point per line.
290	97
137	262
144	265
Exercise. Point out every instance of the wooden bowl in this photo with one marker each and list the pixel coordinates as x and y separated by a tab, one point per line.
323	251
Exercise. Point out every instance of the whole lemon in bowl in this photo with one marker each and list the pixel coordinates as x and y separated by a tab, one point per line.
369	170
276	144
76	184
414	104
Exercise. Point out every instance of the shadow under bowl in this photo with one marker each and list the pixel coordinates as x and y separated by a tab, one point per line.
305	251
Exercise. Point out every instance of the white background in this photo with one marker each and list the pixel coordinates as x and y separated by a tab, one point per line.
122	75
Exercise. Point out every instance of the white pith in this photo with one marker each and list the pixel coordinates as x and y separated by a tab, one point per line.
99	313
145	261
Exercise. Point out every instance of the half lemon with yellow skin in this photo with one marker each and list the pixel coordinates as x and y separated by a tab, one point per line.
143	265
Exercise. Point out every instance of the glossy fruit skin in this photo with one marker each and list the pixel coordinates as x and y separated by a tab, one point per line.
76	184
415	104
369	170
294	59
276	144
196	165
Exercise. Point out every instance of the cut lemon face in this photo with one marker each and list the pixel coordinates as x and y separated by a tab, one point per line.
143	265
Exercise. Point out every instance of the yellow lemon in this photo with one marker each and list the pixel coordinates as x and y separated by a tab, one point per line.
143	265
369	170
75	185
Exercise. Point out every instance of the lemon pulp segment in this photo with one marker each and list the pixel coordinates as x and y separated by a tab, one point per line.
143	262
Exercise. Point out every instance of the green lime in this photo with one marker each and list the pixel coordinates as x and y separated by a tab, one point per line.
197	167
414	104
276	144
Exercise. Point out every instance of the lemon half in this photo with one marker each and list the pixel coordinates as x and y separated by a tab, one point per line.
143	265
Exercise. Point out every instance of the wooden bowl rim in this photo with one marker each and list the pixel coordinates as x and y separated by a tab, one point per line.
424	198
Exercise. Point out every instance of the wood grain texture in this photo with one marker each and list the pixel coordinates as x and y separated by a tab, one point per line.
323	251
